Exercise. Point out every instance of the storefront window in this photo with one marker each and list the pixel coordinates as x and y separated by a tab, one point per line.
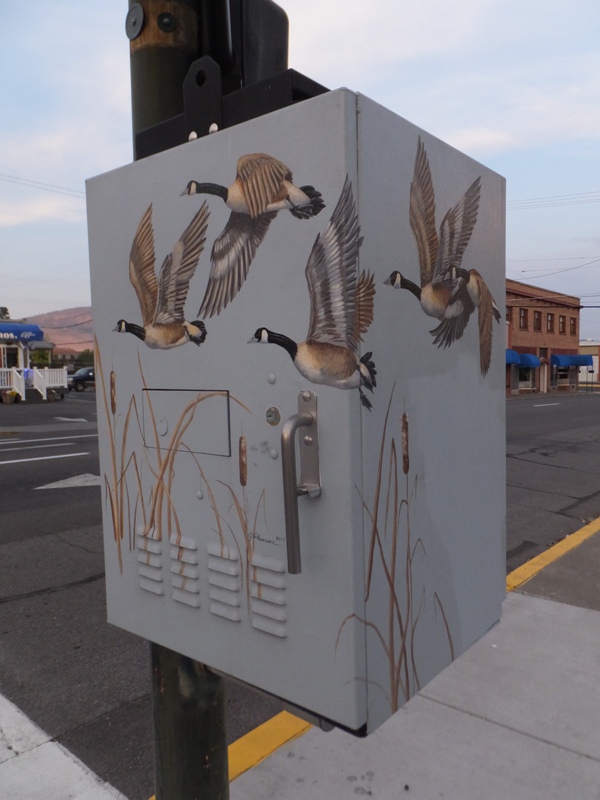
523	319
11	357
526	378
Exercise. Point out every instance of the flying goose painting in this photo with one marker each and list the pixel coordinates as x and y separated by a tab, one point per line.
436	254
341	308
263	187
446	291
162	300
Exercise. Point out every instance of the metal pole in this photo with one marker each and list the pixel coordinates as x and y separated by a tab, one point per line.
188	702
163	44
190	749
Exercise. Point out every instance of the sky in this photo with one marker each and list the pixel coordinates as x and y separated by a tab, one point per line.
515	85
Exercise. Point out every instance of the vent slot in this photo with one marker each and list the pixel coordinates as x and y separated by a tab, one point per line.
150	562
224	582
185	580
268	601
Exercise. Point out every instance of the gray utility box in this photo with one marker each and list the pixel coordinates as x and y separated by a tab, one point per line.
259	516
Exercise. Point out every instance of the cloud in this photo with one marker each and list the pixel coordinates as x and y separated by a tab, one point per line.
356	40
462	69
42	207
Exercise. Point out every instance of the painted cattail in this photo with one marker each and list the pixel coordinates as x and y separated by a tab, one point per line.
405	462
243	458
113	392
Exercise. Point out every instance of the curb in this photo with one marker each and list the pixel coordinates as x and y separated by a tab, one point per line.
527	571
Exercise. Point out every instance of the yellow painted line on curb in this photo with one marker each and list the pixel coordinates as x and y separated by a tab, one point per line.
527	571
255	746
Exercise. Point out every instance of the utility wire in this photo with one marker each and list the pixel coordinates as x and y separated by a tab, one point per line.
61	327
558	271
553	201
47	187
569	258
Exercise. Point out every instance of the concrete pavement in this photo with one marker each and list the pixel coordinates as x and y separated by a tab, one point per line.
32	767
515	716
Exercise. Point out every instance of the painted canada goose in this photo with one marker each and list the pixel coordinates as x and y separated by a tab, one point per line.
263	187
162	300
470	292
341	308
437	255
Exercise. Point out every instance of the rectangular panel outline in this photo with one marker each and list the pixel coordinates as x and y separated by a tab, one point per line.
218	392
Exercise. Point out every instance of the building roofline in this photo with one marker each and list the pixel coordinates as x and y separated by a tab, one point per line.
538	293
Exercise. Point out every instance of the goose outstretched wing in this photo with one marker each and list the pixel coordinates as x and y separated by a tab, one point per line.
365	304
487	313
331	273
421	214
261	176
232	254
178	268
455	231
142	268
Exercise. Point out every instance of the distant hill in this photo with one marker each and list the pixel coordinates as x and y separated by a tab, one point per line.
69	330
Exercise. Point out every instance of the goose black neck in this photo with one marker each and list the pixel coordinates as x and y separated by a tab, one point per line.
412	287
285	342
137	330
212	188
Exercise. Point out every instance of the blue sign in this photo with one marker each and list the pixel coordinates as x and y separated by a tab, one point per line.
20	332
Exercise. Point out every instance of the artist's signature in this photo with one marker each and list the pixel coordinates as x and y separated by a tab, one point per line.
257	537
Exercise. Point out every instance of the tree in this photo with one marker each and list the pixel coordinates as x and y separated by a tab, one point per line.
85	358
39	358
4	312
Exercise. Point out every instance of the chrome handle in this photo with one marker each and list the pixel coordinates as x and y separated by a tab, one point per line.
309	468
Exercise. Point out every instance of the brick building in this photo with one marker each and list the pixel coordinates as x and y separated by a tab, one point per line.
543	340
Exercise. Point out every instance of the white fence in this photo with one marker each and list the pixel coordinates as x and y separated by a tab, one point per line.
12	380
40	379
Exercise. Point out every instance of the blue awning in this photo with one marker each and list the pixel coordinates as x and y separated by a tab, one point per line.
583	361
572	361
512	357
20	332
528	360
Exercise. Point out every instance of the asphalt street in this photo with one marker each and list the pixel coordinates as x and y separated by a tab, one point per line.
87	683
552	470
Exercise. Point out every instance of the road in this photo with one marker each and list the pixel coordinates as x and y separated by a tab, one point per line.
87	683
552	470
63	443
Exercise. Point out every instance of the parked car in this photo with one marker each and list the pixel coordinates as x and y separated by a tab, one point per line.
86	376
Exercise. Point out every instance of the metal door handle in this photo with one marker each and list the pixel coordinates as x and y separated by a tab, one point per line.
309	471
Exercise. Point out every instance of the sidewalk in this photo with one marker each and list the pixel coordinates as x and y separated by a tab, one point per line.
515	717
34	768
